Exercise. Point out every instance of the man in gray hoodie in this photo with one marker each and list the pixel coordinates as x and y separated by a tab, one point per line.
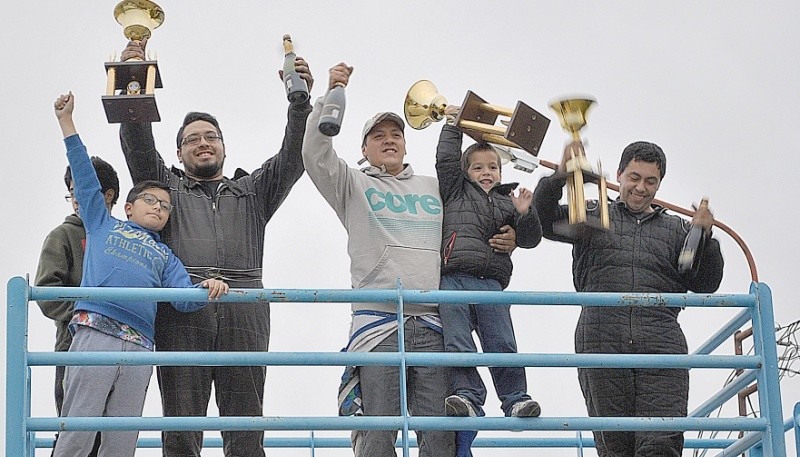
394	221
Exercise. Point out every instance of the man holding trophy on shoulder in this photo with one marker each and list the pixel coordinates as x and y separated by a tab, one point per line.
636	249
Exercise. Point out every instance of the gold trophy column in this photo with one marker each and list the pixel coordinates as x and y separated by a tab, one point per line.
572	116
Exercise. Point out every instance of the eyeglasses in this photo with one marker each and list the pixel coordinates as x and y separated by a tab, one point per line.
151	199
69	198
194	139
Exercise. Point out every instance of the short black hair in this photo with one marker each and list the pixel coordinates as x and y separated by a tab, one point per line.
105	174
645	152
194	116
144	185
479	146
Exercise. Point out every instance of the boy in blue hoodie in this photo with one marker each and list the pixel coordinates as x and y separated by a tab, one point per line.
118	254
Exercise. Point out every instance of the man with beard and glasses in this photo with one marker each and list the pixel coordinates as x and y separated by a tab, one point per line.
217	230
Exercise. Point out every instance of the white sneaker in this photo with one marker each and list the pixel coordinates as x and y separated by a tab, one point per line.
458	406
525	408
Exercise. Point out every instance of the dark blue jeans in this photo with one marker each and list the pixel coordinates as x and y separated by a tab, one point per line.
493	325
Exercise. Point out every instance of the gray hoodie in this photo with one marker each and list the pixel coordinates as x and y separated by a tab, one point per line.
394	223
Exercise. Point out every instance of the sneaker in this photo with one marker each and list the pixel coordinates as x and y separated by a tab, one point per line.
458	406
525	408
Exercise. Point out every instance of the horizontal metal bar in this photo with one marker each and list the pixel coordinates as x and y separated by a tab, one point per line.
489	442
393	358
390	296
394	423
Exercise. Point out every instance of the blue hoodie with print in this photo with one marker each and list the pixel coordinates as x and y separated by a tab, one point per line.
120	253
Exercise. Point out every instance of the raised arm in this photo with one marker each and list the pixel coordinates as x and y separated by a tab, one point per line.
88	190
327	171
136	139
278	174
545	201
448	161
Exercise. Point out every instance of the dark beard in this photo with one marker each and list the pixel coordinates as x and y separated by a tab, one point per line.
205	171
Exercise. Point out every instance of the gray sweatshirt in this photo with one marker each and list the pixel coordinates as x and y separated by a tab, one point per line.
394	223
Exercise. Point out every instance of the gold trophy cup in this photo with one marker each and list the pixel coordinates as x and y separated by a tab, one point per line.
572	116
136	79
525	129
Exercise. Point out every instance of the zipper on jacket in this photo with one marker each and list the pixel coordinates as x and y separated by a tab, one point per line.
449	248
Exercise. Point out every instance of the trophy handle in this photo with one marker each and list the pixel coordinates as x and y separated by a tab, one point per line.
423	105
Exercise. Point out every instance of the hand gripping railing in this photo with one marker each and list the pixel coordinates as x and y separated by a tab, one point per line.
765	432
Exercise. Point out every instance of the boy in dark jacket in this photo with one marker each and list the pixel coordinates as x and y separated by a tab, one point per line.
476	207
118	254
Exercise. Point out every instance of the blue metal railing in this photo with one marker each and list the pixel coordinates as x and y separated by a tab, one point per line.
766	433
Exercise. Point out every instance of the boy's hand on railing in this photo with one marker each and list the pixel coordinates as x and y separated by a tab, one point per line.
216	288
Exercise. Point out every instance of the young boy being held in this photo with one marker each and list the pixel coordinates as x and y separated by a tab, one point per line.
476	207
118	254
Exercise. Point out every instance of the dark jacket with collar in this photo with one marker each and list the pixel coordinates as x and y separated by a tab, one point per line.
224	233
637	254
472	217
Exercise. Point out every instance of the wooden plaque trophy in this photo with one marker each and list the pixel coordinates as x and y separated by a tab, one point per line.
524	130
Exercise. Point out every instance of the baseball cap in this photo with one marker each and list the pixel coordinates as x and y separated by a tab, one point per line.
378	118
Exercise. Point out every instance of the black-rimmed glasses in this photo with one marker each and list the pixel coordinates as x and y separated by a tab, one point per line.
151	199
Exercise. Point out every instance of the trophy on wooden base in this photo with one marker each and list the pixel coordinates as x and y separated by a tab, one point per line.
131	84
524	130
572	116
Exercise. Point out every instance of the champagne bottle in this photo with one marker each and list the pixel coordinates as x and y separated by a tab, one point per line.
330	122
296	87
693	245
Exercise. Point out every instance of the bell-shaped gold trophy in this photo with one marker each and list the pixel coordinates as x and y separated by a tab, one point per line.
131	84
525	129
572	116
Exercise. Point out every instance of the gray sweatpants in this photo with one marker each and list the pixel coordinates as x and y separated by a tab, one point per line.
102	391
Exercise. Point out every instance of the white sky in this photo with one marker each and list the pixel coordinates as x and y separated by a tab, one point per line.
712	82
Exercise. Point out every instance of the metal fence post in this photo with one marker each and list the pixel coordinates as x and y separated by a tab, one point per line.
769	398
17	396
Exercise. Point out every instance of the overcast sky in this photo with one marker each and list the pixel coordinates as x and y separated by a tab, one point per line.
712	82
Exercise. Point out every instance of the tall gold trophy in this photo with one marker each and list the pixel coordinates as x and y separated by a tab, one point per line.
136	79
572	116
525	129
